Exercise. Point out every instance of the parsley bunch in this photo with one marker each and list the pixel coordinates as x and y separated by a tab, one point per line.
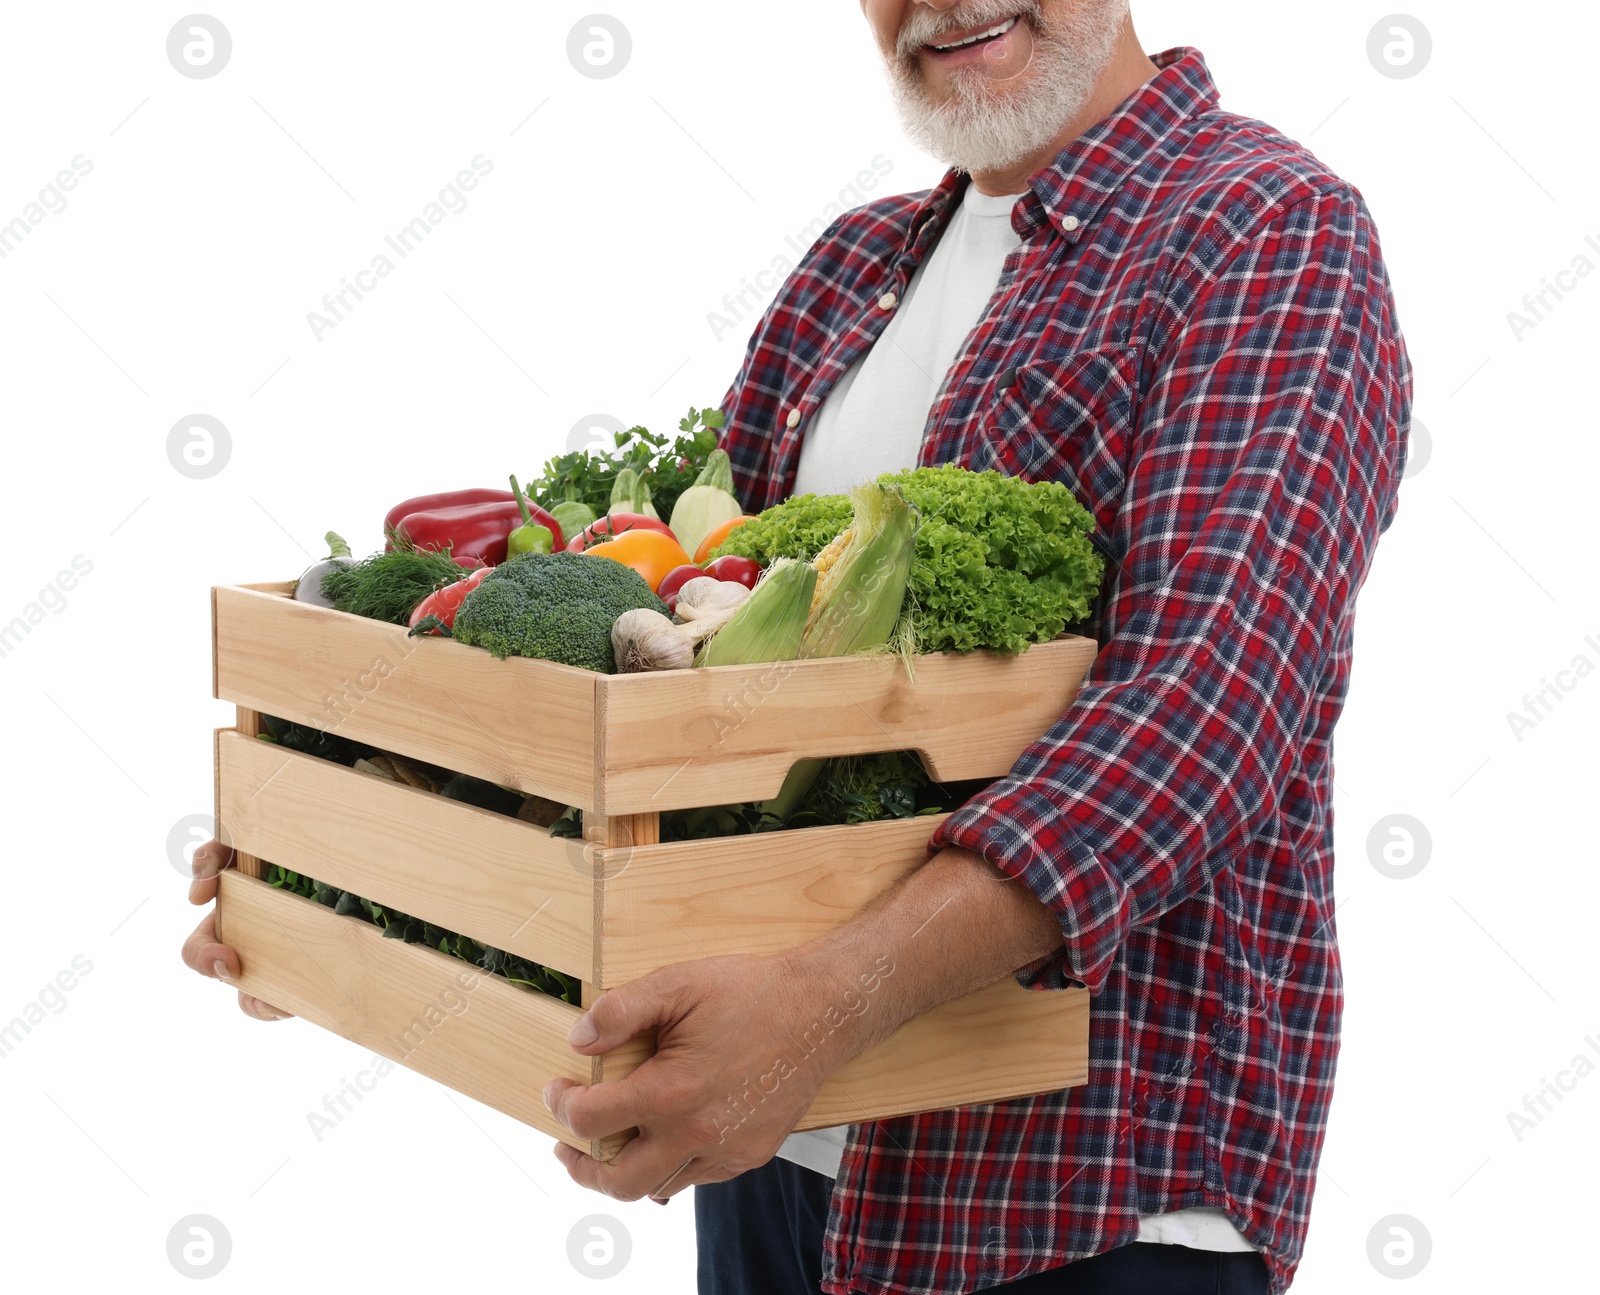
667	467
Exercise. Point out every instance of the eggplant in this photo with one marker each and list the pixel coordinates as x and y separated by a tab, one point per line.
308	589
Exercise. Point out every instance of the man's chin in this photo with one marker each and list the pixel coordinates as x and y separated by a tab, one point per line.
953	131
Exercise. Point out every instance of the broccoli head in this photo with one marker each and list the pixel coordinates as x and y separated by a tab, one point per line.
555	606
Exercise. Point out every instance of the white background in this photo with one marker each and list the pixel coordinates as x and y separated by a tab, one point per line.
178	280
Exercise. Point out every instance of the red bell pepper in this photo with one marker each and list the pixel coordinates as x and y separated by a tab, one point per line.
473	532
444	603
443	499
608	528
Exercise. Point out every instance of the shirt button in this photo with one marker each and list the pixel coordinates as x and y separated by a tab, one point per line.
886	302
793	420
1070	224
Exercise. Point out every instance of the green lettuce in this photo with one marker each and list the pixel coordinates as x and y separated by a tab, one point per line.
1000	562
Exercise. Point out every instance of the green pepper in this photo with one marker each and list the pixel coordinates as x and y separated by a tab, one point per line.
530	537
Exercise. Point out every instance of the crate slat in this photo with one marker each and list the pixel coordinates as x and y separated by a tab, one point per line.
416	1006
1002	1041
717	736
760	893
505	1044
501	881
523	724
625	745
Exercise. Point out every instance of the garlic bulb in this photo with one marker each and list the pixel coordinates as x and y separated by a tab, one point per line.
706	596
646	640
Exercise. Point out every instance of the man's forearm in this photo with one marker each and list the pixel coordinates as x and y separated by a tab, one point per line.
949	928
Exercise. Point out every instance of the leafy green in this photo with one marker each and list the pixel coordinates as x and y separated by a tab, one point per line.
800	527
557	606
666	468
388	586
1000	562
864	788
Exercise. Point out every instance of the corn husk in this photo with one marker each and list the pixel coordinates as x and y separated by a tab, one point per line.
862	576
770	623
861	585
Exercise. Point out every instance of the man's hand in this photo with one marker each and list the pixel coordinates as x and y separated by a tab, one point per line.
202	951
743	1045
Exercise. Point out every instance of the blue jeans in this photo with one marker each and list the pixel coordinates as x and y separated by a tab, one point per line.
761	1234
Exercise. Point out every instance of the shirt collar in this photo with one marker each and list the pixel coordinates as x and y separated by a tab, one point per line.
1070	191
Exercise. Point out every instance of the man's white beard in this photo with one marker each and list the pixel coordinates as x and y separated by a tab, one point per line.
979	130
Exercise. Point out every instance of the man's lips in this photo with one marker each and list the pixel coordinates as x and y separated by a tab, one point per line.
972	43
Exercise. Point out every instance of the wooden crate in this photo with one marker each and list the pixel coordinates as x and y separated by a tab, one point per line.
618	903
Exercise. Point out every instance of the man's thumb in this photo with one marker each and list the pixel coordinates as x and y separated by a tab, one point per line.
617	1016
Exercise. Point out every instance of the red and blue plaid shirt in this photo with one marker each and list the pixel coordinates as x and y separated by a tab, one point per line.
1197	335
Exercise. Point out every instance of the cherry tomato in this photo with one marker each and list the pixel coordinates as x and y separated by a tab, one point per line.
743	571
674	581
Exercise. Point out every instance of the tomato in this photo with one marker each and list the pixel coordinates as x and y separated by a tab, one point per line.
675	580
608	528
742	571
649	552
445	602
714	540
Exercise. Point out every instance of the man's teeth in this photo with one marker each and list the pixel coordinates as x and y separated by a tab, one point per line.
1001	30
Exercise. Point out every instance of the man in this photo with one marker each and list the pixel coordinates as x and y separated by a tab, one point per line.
1186	318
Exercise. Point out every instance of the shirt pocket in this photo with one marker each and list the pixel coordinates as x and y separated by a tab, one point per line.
1068	420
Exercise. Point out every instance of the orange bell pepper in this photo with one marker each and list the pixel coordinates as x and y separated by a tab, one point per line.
716	537
651	553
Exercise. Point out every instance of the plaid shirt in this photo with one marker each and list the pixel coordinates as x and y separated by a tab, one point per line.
1198	336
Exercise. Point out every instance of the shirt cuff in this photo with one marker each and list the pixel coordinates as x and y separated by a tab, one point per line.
1027	838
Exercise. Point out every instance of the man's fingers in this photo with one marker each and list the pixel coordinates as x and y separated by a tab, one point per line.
643	1169
600	1110
582	1169
202	950
210	859
204	953
619	1014
262	1011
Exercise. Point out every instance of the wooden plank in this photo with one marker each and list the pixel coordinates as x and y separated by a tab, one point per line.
609	842
524	724
416	1006
1002	1041
501	881
612	842
716	736
248	725
760	894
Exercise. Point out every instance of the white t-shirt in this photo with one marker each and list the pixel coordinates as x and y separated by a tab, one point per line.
872	422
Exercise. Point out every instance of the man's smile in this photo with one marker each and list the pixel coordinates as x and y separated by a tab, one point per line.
973	44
